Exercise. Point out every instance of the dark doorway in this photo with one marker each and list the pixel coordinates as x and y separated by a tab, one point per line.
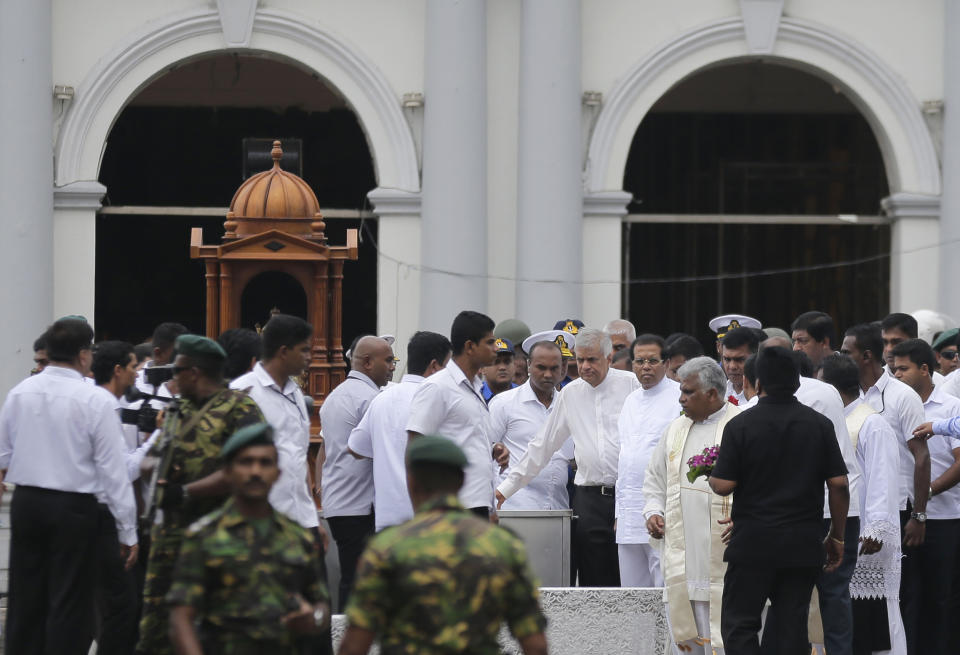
754	139
269	291
180	143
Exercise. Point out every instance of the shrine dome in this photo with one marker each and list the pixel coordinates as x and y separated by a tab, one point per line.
274	200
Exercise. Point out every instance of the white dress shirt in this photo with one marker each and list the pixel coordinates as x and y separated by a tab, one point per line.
951	383
903	410
589	415
449	405
382	436
824	398
58	432
646	414
516	415
286	411
347	483
741	397
879	458
941	405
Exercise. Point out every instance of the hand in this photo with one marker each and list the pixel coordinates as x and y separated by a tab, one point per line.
494	517
160	415
502	455
655	526
725	536
869	546
129	555
500	499
914	532
172	494
301	621
834	554
924	430
324	537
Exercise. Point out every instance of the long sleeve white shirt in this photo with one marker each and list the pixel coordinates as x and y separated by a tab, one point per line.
825	399
902	408
59	432
589	415
286	411
646	414
516	415
347	483
939	406
450	405
382	436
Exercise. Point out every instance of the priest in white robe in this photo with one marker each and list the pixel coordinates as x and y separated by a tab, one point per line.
687	516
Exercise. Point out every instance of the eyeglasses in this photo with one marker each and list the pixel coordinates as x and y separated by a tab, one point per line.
948	354
652	361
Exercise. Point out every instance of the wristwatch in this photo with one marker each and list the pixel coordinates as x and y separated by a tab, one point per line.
318	615
919	517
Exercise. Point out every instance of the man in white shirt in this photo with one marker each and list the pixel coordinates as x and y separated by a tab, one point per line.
346	482
518	414
450	404
875	584
934	568
622	334
645	415
286	349
382	432
814	335
588	410
60	443
163	341
736	346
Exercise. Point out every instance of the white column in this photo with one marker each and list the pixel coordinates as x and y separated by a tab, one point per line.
550	186
950	204
398	278
454	224
75	208
915	253
603	214
26	180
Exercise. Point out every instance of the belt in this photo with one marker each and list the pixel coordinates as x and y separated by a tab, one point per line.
601	489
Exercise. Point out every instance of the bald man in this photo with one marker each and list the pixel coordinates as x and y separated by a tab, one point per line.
347	482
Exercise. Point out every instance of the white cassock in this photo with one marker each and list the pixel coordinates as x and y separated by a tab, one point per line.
516	416
645	415
691	561
878	575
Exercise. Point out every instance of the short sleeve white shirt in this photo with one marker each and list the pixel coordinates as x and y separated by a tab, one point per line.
903	410
516	416
286	411
382	436
646	414
347	483
939	406
449	405
589	415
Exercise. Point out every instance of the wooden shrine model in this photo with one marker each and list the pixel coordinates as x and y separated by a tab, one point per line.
274	225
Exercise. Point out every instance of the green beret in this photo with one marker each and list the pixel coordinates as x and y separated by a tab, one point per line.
258	434
941	341
193	345
73	317
431	449
513	329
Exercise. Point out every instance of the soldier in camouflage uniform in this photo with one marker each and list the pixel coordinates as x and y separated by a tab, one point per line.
444	581
246	573
206	414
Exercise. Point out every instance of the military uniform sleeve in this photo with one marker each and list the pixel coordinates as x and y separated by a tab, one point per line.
315	591
187	587
523	614
247	412
369	605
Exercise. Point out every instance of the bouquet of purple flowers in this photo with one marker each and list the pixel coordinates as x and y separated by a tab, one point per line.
703	463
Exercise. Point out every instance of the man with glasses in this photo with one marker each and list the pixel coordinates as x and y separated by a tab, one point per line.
191	482
646	413
945	350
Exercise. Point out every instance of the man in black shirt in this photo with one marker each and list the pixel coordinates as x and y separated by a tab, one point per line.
777	457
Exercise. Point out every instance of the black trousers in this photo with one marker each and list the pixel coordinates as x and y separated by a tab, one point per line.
52	572
116	592
746	588
598	563
351	534
926	586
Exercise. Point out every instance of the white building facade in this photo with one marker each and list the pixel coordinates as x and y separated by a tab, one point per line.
499	132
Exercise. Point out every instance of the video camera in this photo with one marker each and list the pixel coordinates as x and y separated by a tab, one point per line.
145	417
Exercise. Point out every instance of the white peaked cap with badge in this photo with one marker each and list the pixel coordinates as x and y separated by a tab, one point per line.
566	341
723	324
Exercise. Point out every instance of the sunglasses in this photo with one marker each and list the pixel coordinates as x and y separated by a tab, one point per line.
949	354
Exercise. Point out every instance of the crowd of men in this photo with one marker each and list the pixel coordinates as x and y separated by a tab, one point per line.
163	501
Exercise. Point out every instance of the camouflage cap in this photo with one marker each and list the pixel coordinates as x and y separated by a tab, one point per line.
258	434
193	345
431	449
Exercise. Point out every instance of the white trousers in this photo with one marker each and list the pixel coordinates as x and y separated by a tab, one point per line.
639	566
